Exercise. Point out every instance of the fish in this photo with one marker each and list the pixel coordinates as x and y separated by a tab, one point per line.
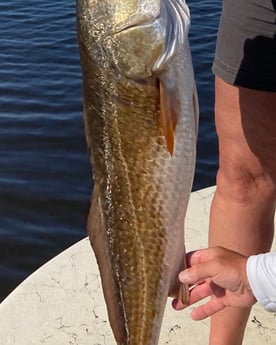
141	122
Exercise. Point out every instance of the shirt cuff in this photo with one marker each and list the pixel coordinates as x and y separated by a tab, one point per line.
261	274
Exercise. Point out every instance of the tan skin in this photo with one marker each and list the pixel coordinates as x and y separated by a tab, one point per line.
243	207
244	204
220	274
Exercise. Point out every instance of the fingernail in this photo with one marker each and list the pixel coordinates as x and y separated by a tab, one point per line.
184	276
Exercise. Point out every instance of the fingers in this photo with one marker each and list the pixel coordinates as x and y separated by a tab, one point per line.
197	293
204	264
215	272
197	273
207	309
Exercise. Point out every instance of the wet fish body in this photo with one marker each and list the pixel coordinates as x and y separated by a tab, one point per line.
140	115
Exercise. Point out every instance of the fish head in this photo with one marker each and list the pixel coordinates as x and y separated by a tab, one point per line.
138	36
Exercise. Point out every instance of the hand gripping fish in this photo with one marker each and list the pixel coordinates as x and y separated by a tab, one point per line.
141	118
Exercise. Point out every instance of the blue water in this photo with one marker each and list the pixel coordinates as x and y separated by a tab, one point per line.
45	178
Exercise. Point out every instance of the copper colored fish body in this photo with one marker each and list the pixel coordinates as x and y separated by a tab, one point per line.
140	115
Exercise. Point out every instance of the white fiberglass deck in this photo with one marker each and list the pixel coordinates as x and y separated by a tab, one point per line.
62	302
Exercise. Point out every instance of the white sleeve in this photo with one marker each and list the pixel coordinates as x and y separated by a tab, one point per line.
261	273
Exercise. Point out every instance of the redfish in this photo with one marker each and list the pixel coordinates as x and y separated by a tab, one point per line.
141	118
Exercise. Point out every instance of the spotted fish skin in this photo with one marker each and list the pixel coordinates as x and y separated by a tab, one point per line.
141	118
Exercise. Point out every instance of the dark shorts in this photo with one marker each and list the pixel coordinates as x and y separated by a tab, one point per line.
246	44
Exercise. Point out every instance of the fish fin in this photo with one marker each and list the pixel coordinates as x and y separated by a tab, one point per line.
184	292
98	238
177	289
169	113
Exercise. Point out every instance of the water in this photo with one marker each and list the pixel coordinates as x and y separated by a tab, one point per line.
44	172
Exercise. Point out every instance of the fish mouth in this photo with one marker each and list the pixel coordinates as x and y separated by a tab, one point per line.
170	11
130	26
161	35
174	17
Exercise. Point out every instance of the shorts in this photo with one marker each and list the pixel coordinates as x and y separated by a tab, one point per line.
246	44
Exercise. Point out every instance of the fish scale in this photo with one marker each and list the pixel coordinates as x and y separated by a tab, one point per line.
141	128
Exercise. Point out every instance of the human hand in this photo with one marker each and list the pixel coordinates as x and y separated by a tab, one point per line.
220	274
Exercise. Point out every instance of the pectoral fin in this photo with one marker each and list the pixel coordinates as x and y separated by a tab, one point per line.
169	113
